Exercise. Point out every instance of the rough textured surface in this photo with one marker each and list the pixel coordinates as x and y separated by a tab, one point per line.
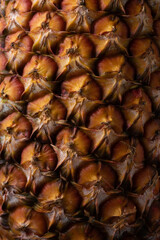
79	119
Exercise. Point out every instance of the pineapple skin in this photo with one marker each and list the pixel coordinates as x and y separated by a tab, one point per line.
79	119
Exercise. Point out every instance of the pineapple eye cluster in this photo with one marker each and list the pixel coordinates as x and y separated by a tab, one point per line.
79	119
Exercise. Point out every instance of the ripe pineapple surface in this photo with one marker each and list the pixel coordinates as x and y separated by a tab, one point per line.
80	119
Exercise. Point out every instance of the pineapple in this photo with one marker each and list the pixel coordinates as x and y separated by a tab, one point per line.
79	119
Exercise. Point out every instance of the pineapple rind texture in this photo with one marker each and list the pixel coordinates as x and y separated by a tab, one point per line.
80	119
